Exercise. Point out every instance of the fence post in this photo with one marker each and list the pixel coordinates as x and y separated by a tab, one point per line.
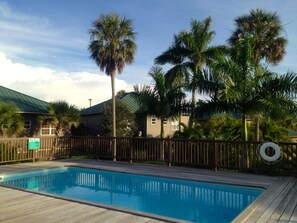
215	155
131	150
170	152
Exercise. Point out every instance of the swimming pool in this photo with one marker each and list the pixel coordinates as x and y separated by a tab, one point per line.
187	200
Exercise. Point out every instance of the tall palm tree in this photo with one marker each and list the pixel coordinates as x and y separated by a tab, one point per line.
189	53
112	46
63	116
266	29
161	100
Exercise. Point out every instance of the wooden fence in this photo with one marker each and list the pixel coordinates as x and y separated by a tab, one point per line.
235	155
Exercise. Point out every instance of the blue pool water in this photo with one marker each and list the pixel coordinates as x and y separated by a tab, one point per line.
186	200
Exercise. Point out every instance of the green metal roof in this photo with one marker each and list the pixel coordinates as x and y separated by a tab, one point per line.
24	103
128	99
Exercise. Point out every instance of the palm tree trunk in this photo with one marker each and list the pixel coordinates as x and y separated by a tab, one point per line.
113	116
245	154
162	128
191	120
257	133
244	128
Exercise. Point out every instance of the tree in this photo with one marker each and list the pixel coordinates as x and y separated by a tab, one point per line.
269	44
62	116
239	91
10	120
189	53
161	100
126	126
112	46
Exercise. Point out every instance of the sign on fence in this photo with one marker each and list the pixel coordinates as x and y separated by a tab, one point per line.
33	143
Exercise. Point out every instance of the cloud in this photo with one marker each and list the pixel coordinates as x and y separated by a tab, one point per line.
51	85
36	40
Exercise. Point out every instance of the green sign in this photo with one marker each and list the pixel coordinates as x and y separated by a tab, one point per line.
33	143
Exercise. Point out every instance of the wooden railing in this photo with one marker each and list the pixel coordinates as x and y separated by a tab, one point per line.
212	154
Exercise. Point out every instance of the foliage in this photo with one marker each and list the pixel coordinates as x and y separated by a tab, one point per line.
274	131
238	89
266	28
63	116
269	44
126	125
194	131
161	100
189	53
224	127
10	120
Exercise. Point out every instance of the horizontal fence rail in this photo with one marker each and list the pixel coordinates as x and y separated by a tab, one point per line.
213	154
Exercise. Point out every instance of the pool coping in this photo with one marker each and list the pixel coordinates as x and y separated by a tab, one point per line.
186	174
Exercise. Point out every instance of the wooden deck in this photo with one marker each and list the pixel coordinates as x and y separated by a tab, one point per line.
277	204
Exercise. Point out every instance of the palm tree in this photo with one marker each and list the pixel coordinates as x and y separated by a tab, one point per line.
161	100
63	116
269	44
239	91
189	53
10	120
112	46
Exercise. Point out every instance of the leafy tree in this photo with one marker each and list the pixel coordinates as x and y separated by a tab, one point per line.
126	125
62	116
189	53
10	120
160	100
112	46
269	43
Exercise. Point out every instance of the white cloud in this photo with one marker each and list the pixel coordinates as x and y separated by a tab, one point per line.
34	39
51	85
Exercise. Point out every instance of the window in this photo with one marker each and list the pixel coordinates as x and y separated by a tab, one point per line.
153	121
47	129
27	125
174	125
165	121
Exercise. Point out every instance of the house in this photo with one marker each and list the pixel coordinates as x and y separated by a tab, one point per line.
30	109
148	126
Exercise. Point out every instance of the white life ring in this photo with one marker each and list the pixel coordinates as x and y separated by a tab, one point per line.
276	151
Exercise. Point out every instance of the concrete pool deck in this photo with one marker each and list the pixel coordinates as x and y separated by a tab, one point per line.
277	204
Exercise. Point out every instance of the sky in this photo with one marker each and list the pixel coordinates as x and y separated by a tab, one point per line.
44	43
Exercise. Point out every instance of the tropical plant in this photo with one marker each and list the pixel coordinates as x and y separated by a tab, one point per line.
266	28
269	43
239	91
273	131
224	127
126	125
160	100
112	46
10	120
63	116
194	131
189	54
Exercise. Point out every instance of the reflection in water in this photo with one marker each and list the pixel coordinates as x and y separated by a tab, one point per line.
192	201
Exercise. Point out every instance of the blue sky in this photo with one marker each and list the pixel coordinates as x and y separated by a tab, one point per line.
43	43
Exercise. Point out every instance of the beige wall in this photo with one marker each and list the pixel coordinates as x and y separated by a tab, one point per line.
153	130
